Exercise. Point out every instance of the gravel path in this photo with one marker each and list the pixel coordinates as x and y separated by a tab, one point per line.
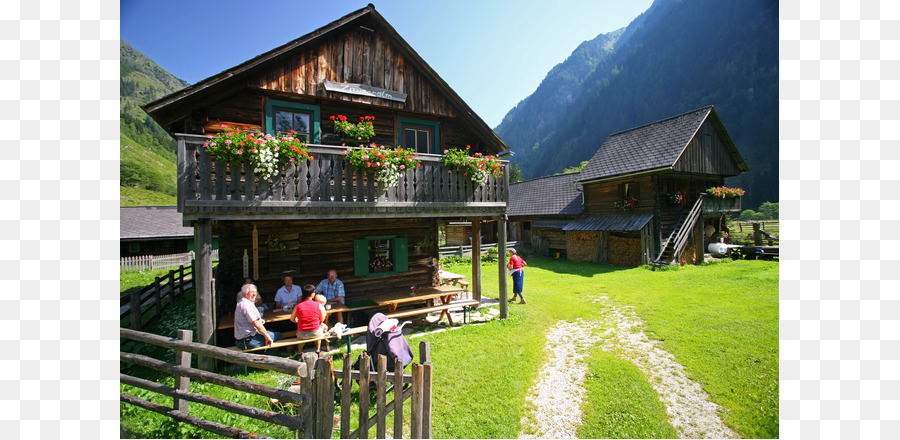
555	400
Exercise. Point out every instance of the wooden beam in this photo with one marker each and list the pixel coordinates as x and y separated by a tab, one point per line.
476	258
203	275
501	265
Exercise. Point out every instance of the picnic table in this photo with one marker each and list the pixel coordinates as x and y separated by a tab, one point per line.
454	279
227	321
392	300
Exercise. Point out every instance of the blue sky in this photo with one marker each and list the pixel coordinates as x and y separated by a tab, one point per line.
493	53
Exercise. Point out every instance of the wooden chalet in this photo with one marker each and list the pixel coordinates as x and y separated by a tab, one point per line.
681	155
321	214
538	211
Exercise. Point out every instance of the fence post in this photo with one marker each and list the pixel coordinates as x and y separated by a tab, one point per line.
324	409
363	395
415	418
308	412
156	294
398	399
180	280
136	310
460	251
425	360
381	400
183	359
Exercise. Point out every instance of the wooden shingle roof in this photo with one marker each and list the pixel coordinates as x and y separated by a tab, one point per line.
551	195
655	146
144	222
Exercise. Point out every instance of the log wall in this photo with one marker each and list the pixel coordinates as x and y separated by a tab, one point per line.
308	249
600	196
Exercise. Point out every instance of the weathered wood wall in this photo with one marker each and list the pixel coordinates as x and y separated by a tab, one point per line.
458	235
311	248
354	56
707	154
600	196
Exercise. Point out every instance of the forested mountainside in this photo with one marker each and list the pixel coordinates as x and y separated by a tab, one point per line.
677	56
147	168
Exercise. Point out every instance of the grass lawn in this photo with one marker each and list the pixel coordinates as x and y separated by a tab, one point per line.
720	321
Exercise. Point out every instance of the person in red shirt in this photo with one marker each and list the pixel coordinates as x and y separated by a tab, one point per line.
516	268
309	315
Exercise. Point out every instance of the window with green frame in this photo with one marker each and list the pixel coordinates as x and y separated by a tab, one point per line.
380	255
420	135
284	116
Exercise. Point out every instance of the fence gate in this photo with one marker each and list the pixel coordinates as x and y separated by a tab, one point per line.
315	396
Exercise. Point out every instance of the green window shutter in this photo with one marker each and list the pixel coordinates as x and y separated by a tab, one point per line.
401	255
360	257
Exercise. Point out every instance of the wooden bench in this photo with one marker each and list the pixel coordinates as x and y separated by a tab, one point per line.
438	308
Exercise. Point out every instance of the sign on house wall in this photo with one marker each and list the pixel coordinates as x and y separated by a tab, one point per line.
364	90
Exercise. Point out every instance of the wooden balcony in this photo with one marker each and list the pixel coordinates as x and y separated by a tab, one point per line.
718	205
326	187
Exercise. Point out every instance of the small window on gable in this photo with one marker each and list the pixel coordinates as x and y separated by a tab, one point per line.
419	135
134	247
284	116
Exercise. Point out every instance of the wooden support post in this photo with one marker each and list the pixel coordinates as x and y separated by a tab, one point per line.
203	286
183	383
501	266
476	258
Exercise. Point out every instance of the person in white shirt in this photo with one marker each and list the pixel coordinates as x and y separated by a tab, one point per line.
287	295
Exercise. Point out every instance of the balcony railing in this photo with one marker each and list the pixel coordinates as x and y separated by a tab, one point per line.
718	205
327	183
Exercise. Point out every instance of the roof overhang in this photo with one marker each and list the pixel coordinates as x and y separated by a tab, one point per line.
632	222
621	176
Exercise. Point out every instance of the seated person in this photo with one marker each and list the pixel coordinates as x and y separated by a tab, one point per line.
259	302
309	315
333	289
249	329
287	295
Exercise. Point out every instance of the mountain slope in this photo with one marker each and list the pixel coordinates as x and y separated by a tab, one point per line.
535	116
677	56
147	152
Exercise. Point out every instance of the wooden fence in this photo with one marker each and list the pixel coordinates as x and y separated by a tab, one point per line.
154	262
314	398
460	251
138	301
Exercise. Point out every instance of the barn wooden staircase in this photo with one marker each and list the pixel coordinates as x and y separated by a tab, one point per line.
672	248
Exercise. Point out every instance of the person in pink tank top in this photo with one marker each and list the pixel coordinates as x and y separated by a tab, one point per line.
309	315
